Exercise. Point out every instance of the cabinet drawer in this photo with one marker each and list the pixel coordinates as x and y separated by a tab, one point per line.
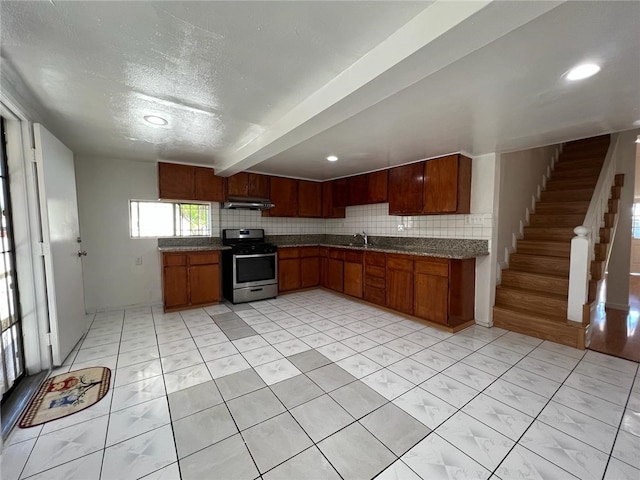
441	268
336	253
375	295
173	260
204	258
353	257
375	258
400	262
290	252
375	282
309	252
374	271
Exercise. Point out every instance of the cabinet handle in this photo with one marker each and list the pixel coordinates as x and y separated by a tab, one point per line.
256	290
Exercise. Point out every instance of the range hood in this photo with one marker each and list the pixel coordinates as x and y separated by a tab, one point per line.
247	203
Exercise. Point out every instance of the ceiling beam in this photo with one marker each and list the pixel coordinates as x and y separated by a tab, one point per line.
440	35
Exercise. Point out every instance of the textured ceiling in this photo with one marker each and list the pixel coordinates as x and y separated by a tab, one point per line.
276	86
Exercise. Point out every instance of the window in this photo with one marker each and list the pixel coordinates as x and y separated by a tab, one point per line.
168	219
635	226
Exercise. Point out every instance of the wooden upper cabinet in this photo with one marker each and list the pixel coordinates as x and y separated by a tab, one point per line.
340	192
309	199
186	182
246	184
284	195
358	188
258	185
406	189
238	185
377	187
369	188
176	182
447	185
329	210
208	186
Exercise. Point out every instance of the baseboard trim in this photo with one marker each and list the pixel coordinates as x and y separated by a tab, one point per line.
617	306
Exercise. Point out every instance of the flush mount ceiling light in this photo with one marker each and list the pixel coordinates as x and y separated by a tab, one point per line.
155	120
638	139
583	71
332	158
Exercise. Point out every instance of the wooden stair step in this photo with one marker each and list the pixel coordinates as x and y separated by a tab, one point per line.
539	327
564	208
599	140
574	195
541	303
584	172
535	281
542	220
571	184
546	248
551	234
579	163
539	264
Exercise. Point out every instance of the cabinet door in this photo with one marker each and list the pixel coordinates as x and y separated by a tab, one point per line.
208	186
329	210
238	185
309	199
258	185
284	194
175	287
400	290
288	274
335	268
377	187
353	279
340	192
431	297
357	190
204	284
176	182
309	272
406	186
447	185
324	266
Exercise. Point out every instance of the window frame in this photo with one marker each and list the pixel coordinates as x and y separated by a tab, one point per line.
176	205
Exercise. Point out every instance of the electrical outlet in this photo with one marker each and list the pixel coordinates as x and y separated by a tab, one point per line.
138	260
401	227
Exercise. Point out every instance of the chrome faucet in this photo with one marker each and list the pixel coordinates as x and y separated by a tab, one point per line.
364	236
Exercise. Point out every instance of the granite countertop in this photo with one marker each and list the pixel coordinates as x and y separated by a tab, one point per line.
193	248
456	254
452	248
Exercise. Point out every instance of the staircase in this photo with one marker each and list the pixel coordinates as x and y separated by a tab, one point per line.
532	298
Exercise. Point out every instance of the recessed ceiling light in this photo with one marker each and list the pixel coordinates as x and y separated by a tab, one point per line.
155	120
332	158
583	71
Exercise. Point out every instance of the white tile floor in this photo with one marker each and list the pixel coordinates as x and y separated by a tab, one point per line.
313	385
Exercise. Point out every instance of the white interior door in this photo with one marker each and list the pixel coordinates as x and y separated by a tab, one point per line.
61	232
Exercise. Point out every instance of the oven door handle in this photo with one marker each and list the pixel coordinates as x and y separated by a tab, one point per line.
261	255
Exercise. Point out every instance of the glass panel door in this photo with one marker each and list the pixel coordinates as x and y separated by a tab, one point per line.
11	353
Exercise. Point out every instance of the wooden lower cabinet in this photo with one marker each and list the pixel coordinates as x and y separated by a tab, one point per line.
335	274
190	279
375	283
298	267
352	271
288	269
399	283
309	267
444	290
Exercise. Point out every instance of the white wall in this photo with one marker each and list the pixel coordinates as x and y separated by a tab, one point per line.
619	260
521	173
111	276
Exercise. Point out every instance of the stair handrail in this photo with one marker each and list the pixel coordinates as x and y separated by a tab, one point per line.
587	235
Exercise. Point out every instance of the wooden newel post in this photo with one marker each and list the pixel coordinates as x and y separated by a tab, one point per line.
579	273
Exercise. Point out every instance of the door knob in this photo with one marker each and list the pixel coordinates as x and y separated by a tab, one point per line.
82	253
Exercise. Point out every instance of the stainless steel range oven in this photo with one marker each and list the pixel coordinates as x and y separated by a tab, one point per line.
250	268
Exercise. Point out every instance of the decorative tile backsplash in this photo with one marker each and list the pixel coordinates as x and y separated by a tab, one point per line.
373	219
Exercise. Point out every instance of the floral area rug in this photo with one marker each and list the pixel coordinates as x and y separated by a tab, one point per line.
66	394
